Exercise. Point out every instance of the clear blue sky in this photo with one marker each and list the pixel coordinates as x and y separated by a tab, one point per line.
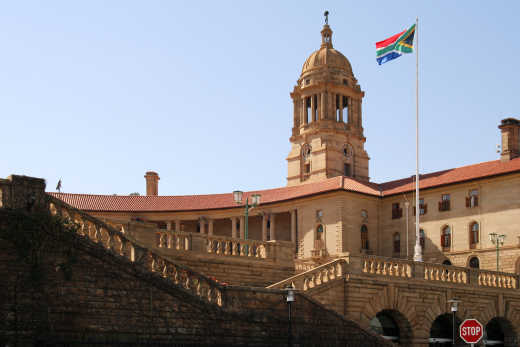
98	92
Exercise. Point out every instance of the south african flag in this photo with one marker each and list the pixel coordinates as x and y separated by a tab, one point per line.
395	46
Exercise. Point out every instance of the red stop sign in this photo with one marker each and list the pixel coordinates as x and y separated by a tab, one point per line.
471	331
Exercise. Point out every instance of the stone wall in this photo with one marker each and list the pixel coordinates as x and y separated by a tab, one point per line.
111	300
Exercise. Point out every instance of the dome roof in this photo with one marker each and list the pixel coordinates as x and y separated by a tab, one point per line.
326	57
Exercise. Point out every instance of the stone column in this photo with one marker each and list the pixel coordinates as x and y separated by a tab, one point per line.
202	224
177	225
293	225
323	113
264	227
297	114
210	227
272	227
313	110
359	118
305	114
234	227
351	117
340	108
169	225
242	227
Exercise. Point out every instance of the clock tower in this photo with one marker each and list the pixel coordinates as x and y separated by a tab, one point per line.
327	135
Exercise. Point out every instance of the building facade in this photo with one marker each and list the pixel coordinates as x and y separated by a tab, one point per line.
330	208
344	240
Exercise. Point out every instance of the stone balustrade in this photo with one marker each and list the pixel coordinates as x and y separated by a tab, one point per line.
119	244
386	266
497	279
318	276
445	273
382	267
227	246
170	242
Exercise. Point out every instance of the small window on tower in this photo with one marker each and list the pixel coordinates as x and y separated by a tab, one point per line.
307	169
347	170
308	81
345	82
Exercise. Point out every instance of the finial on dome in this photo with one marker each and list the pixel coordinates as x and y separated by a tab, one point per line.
326	32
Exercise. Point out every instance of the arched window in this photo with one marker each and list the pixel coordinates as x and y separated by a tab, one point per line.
474	263
397	243
364	237
422	239
473	234
446	238
319	232
319	242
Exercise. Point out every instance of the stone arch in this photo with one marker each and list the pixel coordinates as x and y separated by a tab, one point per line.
441	330
473	262
402	310
500	329
517	266
393	326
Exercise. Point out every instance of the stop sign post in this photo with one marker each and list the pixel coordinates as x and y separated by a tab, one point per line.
471	331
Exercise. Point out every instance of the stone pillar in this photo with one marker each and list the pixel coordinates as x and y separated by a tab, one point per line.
351	115
202	224
169	225
293	225
234	227
305	113
297	114
242	227
313	110
264	227
323	113
210	227
272	227
359	118
340	108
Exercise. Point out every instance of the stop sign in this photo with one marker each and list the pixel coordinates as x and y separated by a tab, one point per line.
471	331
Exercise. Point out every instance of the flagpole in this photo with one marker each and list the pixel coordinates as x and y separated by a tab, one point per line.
418	250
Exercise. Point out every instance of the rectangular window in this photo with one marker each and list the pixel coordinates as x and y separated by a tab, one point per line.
346	170
472	199
397	212
444	204
307	168
422	207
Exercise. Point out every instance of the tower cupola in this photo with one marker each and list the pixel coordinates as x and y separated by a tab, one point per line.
327	135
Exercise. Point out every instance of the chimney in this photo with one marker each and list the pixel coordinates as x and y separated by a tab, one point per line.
510	128
152	183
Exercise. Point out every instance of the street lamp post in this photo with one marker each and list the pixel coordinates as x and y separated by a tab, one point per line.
454	307
290	300
255	201
497	240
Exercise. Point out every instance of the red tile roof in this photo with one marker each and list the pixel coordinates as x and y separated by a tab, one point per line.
451	176
126	203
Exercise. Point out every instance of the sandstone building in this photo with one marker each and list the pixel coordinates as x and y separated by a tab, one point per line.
331	217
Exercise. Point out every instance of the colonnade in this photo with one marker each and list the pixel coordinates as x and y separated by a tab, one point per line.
206	226
327	105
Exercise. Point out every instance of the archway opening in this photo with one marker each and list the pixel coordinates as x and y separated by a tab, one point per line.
446	262
499	332
393	326
474	263
441	331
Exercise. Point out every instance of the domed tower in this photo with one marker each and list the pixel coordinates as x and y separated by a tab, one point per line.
327	137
